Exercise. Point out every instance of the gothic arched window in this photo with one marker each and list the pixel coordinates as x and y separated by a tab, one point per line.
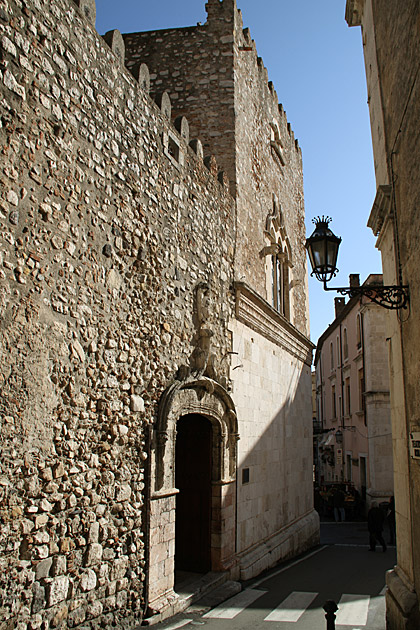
278	262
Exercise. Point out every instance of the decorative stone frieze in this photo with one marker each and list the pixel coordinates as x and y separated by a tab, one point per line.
264	319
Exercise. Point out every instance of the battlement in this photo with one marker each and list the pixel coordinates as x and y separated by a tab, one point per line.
225	15
246	45
221	10
221	14
140	72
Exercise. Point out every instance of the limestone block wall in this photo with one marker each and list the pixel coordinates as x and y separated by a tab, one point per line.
392	33
109	220
354	392
378	410
275	517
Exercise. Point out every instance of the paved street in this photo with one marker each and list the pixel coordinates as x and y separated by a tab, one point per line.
292	595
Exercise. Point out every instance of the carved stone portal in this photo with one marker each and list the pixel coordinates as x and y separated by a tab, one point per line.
204	397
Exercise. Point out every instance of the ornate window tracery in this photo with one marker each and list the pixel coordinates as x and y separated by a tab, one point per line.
279	264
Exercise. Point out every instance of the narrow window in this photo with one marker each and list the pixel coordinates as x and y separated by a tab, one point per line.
361	390
334	403
245	475
348	401
275	142
358	333
173	149
280	286
332	355
274	280
345	343
279	263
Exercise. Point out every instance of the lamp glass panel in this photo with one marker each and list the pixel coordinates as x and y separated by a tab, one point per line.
332	252
318	253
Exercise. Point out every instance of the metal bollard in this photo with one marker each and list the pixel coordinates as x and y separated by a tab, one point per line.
330	608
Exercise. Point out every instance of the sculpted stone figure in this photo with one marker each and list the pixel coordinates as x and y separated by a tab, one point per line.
202	360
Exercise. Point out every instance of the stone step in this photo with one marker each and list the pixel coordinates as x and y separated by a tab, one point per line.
215	597
193	588
190	592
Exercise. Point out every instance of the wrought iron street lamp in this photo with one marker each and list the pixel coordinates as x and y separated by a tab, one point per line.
322	248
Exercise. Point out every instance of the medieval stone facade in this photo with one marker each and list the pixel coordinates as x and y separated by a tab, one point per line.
390	32
153	317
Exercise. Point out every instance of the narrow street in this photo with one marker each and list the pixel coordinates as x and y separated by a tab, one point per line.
292	595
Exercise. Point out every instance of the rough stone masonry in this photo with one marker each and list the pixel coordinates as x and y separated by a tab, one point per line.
129	278
103	239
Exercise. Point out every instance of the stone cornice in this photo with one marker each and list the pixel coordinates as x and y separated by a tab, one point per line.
253	311
354	12
381	208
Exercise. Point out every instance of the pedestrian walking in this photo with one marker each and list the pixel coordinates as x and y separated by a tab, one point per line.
338	503
376	519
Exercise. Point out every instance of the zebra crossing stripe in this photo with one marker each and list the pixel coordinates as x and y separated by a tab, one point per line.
293	607
352	610
236	604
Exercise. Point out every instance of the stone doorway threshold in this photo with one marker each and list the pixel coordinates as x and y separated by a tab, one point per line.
197	592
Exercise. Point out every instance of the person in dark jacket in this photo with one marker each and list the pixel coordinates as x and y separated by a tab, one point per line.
376	519
338	503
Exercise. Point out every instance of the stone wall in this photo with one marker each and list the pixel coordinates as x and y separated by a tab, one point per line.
269	182
398	50
275	495
391	47
213	75
195	67
109	220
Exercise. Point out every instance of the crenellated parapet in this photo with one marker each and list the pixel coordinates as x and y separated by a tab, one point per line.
245	45
207	105
116	43
221	10
141	74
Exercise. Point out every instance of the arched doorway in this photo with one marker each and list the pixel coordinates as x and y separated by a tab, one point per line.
193	473
197	418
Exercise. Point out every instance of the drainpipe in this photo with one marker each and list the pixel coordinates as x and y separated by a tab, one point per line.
342	407
362	339
322	413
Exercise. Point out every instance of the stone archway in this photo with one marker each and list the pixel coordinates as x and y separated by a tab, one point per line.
204	398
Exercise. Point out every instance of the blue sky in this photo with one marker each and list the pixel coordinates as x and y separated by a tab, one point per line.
316	64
